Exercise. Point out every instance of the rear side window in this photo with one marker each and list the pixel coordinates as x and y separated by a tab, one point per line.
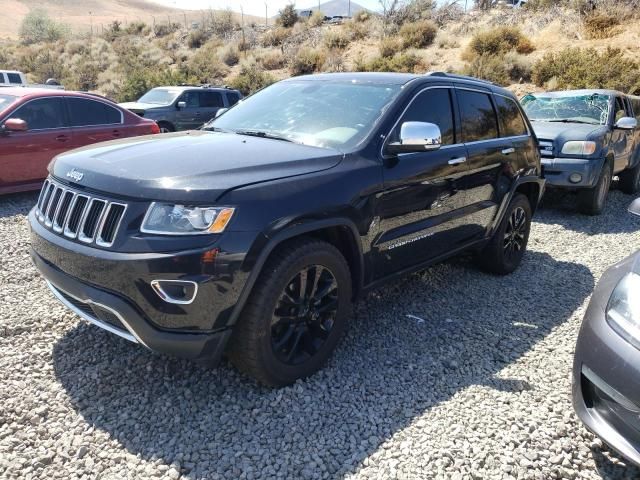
211	100
84	113
479	120
42	113
511	122
14	78
233	98
432	106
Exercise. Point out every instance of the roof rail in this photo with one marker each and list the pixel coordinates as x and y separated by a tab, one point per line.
458	76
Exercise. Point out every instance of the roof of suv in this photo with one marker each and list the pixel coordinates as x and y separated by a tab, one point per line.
197	87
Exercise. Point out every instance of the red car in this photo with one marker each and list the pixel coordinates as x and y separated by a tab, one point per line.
38	124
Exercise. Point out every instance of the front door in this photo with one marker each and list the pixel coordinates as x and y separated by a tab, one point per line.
190	116
210	103
421	207
621	140
24	156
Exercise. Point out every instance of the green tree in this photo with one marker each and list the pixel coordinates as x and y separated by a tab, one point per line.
38	27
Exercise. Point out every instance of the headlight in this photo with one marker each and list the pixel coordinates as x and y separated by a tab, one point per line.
623	310
169	219
579	148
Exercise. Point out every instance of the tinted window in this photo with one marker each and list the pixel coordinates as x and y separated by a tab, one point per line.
511	121
14	78
233	98
478	117
42	113
433	106
192	99
211	100
84	112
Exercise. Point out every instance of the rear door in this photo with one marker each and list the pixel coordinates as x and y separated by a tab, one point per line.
421	207
94	121
489	156
210	103
24	156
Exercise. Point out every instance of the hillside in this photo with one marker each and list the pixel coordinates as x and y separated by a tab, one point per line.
333	8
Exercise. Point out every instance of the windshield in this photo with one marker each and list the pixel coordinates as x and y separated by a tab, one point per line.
323	114
6	100
592	109
160	96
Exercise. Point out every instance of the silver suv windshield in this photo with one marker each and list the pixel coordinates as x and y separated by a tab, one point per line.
591	109
317	113
6	100
160	96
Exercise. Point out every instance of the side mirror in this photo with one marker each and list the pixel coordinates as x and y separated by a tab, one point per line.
635	207
15	125
220	112
182	105
417	137
626	123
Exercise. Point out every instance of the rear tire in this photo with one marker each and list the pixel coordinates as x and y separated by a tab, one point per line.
630	180
591	201
166	127
296	313
505	250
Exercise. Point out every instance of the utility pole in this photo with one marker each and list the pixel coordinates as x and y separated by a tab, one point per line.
266	14
349	14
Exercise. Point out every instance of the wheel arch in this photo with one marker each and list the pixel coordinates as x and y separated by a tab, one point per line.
531	185
340	232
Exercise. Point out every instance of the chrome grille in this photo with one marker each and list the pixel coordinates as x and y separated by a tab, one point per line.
546	148
76	215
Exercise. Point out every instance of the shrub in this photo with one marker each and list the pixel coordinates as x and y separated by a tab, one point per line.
197	38
288	16
272	60
251	78
587	68
600	25
230	55
275	37
389	46
38	27
137	28
316	19
204	65
401	62
140	81
498	41
164	29
362	16
42	63
307	60
418	34
513	67
222	23
357	30
336	39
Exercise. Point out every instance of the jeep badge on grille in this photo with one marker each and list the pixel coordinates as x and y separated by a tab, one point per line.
75	175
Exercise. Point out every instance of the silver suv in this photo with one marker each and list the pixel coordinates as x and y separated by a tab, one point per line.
184	107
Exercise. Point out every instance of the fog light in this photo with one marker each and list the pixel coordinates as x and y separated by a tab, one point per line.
575	178
181	292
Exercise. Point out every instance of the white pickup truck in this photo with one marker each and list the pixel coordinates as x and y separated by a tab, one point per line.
13	78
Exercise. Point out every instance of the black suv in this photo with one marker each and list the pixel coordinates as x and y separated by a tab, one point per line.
252	236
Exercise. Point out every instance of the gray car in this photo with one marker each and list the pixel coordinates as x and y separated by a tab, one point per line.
606	372
586	137
183	107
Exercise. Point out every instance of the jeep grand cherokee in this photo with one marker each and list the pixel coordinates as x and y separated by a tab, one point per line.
253	236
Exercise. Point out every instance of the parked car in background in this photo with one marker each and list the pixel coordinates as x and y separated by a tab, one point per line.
280	212
38	124
606	372
183	107
14	78
586	137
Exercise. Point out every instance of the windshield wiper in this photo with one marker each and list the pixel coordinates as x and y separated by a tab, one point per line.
569	120
262	134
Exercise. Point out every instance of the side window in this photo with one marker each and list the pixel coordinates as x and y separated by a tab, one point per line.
14	78
211	100
479	120
3	78
43	113
433	106
191	99
620	111
84	113
233	98
511	122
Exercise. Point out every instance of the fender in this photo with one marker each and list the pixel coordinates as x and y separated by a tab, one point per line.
296	230
528	179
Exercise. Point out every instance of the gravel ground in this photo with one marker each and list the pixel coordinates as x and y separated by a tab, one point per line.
479	389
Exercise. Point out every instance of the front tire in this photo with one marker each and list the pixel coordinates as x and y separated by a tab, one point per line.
166	127
630	180
505	250
296	313
591	201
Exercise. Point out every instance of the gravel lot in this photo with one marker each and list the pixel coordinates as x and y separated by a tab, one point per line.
479	389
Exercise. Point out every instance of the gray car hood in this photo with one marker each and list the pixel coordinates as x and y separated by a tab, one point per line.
141	106
567	131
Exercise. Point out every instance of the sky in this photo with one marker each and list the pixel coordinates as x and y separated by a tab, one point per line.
253	7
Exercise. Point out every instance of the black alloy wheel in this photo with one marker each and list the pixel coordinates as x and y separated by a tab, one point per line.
515	234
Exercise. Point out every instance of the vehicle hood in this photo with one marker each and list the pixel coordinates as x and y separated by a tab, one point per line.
194	166
137	106
563	132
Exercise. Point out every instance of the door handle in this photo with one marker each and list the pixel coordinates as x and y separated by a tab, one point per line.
197	114
62	138
457	161
116	133
508	151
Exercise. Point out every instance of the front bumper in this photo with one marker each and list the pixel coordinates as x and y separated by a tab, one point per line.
558	170
606	375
